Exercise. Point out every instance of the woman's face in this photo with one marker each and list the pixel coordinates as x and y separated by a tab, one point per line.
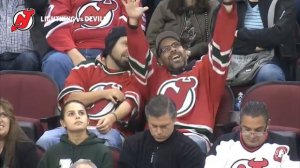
189	3
75	118
4	123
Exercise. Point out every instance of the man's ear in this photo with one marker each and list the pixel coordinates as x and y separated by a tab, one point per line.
159	61
269	122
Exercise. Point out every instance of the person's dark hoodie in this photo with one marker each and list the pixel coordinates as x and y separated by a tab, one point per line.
92	148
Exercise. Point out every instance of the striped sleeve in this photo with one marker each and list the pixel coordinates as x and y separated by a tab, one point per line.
141	59
58	25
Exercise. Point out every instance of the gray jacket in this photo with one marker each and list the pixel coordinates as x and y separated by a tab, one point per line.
163	19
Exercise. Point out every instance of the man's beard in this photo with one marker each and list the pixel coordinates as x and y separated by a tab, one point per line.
124	65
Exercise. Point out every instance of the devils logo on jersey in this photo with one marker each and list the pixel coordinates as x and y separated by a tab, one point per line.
97	14
279	152
103	106
245	163
182	91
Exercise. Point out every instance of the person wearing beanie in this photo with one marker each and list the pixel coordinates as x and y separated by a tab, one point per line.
108	90
196	92
76	30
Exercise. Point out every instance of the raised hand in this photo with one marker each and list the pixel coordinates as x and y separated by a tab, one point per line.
133	9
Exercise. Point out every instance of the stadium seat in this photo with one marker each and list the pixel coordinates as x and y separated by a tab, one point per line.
282	100
31	126
223	119
32	94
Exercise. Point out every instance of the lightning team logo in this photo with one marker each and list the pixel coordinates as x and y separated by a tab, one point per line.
23	20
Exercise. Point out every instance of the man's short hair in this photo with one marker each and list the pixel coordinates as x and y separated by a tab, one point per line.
160	105
255	109
162	36
83	162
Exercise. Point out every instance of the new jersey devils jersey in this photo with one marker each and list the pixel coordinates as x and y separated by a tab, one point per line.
230	152
197	92
90	77
82	23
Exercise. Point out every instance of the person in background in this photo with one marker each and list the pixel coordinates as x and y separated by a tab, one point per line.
16	47
16	149
78	143
191	20
196	92
161	146
253	145
107	88
80	39
258	44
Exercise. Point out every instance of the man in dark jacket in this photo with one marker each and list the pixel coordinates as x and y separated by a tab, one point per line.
161	146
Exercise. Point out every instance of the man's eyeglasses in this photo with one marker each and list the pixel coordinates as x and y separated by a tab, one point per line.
254	133
168	48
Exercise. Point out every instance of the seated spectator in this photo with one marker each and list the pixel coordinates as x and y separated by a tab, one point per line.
106	88
16	149
161	146
254	145
78	40
16	48
78	143
191	20
257	45
197	92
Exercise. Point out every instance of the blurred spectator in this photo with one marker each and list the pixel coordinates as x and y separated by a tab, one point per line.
298	11
161	146
77	143
107	88
16	47
76	30
191	20
254	145
256	41
16	149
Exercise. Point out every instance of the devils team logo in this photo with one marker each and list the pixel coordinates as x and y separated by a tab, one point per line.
183	91
245	163
23	20
97	14
103	106
279	152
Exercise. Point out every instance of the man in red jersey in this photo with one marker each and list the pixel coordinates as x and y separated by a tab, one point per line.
196	92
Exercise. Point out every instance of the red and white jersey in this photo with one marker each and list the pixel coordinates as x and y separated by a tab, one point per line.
90	77
229	151
196	92
82	23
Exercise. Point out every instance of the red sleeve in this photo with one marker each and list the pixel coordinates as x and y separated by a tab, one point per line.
59	31
217	60
76	81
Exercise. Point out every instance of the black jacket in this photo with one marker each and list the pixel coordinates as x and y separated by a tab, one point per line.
26	155
142	151
281	33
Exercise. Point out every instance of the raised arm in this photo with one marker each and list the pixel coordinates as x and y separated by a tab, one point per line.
140	58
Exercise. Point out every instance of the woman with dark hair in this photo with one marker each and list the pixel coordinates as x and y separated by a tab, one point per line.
78	143
190	19
16	149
